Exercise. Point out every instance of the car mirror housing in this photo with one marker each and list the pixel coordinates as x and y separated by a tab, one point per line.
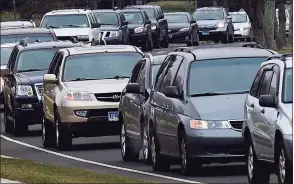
96	25
267	101
133	88
50	78
171	91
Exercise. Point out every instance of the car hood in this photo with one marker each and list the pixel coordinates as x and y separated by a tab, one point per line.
220	107
109	28
173	26
30	78
72	31
133	26
208	23
240	25
98	86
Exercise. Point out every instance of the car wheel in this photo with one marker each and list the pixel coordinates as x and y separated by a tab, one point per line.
196	42
19	127
156	41
257	171
232	38
145	44
164	43
159	162
190	42
226	37
127	153
48	137
150	44
7	123
63	137
146	148
283	165
216	40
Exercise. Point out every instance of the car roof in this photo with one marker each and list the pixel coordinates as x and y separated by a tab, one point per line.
143	6
130	10
7	45
171	13
49	44
30	30
102	48
19	23
104	10
210	8
68	11
239	12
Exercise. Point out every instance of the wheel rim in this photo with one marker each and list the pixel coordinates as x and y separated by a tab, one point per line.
282	166
57	132
153	149
43	131
145	144
250	162
123	140
183	154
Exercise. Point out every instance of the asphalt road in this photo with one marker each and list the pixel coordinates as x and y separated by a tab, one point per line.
102	154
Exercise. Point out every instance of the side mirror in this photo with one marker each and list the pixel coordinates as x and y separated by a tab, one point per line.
193	21
161	16
124	23
96	25
133	88
50	78
267	101
4	72
148	22
171	91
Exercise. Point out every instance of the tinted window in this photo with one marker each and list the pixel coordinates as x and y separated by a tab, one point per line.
107	18
287	95
176	18
64	20
5	54
29	37
216	14
223	75
273	86
134	17
100	66
150	12
141	80
265	85
239	18
179	80
35	59
154	70
160	73
257	80
135	72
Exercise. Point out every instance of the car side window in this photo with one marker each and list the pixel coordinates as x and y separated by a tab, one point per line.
256	82
122	17
179	79
274	85
265	84
145	16
141	76
171	71
135	72
160	73
53	63
12	59
58	64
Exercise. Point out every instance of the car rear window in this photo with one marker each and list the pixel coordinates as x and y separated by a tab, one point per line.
29	37
66	21
176	18
106	18
216	14
230	75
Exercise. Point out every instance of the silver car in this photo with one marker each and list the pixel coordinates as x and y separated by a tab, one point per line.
267	130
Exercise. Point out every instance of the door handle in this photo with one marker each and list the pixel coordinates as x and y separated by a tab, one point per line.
262	111
252	105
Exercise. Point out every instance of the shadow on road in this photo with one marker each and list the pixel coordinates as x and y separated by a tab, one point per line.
95	146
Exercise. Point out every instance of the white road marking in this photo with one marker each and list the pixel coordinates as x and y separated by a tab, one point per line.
8	181
98	163
3	156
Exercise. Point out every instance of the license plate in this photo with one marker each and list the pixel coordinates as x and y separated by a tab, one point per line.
113	116
205	33
170	36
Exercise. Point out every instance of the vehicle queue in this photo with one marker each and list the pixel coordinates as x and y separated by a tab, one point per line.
231	104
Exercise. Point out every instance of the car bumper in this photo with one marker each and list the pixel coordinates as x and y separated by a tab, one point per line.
29	109
211	34
113	40
137	38
221	146
180	36
242	33
288	142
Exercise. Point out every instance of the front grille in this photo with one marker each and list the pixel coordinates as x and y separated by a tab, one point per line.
108	97
236	124
207	29
102	113
39	90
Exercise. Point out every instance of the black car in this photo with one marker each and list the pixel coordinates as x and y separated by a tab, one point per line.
140	28
182	28
159	24
134	108
197	106
114	27
23	88
29	34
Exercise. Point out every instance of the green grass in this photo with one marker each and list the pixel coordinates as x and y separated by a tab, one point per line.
32	172
176	6
286	50
8	16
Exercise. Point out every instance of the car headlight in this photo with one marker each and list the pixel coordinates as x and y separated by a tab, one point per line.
244	28
153	27
83	37
113	33
139	30
202	124
220	25
78	96
24	90
184	29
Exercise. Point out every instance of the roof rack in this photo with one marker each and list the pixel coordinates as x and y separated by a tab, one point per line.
253	45
185	49
71	8
23	42
280	57
115	8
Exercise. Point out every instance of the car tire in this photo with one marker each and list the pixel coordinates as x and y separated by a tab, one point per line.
226	37
7	123
150	44
165	43
156	41
20	127
159	162
145	44
196	42
190	42
283	165
127	152
257	172
232	38
63	138
216	40
48	137
146	146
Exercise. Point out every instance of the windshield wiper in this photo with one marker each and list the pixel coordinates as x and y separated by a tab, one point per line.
83	79
70	25
117	77
213	93
31	70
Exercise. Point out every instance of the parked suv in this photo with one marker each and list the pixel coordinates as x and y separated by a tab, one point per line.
140	28
78	23
134	109
268	125
159	24
197	106
82	91
23	86
114	27
214	24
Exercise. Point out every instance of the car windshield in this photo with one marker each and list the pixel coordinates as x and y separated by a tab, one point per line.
230	75
176	18
28	37
100	66
5	54
239	18
66	21
287	96
134	17
39	59
209	15
154	70
150	12
106	18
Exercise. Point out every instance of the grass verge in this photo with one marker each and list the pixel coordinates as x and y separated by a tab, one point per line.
32	172
176	6
286	50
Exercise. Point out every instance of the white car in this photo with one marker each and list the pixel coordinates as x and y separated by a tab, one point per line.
17	24
242	26
78	23
287	13
6	50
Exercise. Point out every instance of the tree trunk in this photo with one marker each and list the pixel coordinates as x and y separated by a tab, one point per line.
277	35
269	15
290	37
214	3
282	23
